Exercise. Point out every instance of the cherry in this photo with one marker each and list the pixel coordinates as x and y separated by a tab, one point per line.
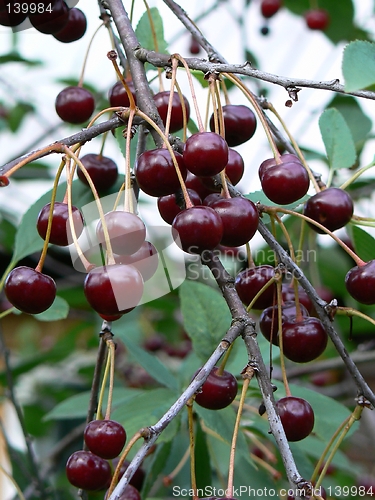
52	20
177	118
304	339
270	7
317	19
118	96
285	182
235	167
239	124
360	283
198	184
156	174
138	477
105	438
113	289
212	198
240	220
205	153
268	321
60	230
102	170
130	493
29	290
74	29
10	16
146	260
88	471
250	281
194	47
198	228
75	105
127	232
297	417
331	207
288	294
110	318
218	391
170	205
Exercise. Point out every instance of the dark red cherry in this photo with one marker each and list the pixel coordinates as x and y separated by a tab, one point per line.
235	167
170	205
304	339
239	124
29	291
205	153
130	493
297	417
127	232
138	477
110	318
212	198
88	471
105	438
52	19
250	281
146	260
288	294
317	19
198	184
74	29
11	14
177	118
197	229
75	105
218	391
284	182
102	170
240	220
156	174
268	321
331	207
118	96
360	283
113	289
269	8
194	47
61	233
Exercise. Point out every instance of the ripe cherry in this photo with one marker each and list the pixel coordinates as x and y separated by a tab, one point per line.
304	339
239	124
177	118
53	19
250	281
360	283
198	228
205	153
284	182
88	471
270	7
127	232
113	289
317	19
130	493
288	294
138	477
268	321
240	220
170	205
198	184
105	438
235	167
118	96
156	174
29	291
146	260
61	233
297	417
74	29
11	16
331	207
218	391
102	170
194	47
75	105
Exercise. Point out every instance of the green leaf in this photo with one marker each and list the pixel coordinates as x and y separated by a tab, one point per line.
58	310
17	115
358	65
364	243
206	316
145	32
16	57
337	139
159	460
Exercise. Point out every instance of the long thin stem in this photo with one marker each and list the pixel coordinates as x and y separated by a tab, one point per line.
193	478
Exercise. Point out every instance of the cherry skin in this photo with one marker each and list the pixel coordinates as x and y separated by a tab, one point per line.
105	438
218	391
177	118
331	207
29	291
250	281
127	232
288	294
194	47
88	471
285	182
74	29
60	231
53	20
268	321
297	417
317	19
130	493
156	174
138	477
198	228
169	207
239	124
304	339
118	96
269	8
360	283
240	220
146	260
198	184
235	167
102	170
113	289
75	105
205	153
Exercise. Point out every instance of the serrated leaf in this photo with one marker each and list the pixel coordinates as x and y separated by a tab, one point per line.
364	243
205	314
58	310
337	139
151	37
358	65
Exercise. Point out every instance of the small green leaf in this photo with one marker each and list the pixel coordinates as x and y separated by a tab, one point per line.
145	33
58	310
364	243
337	139
358	65
16	57
17	115
206	316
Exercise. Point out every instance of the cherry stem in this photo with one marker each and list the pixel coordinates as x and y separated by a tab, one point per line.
99	413
280	328
250	261
224	361
80	82
248	374
260	461
270	282
349	311
270	456
357	174
112	56
128	206
184	112
193	478
169	478
111	352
